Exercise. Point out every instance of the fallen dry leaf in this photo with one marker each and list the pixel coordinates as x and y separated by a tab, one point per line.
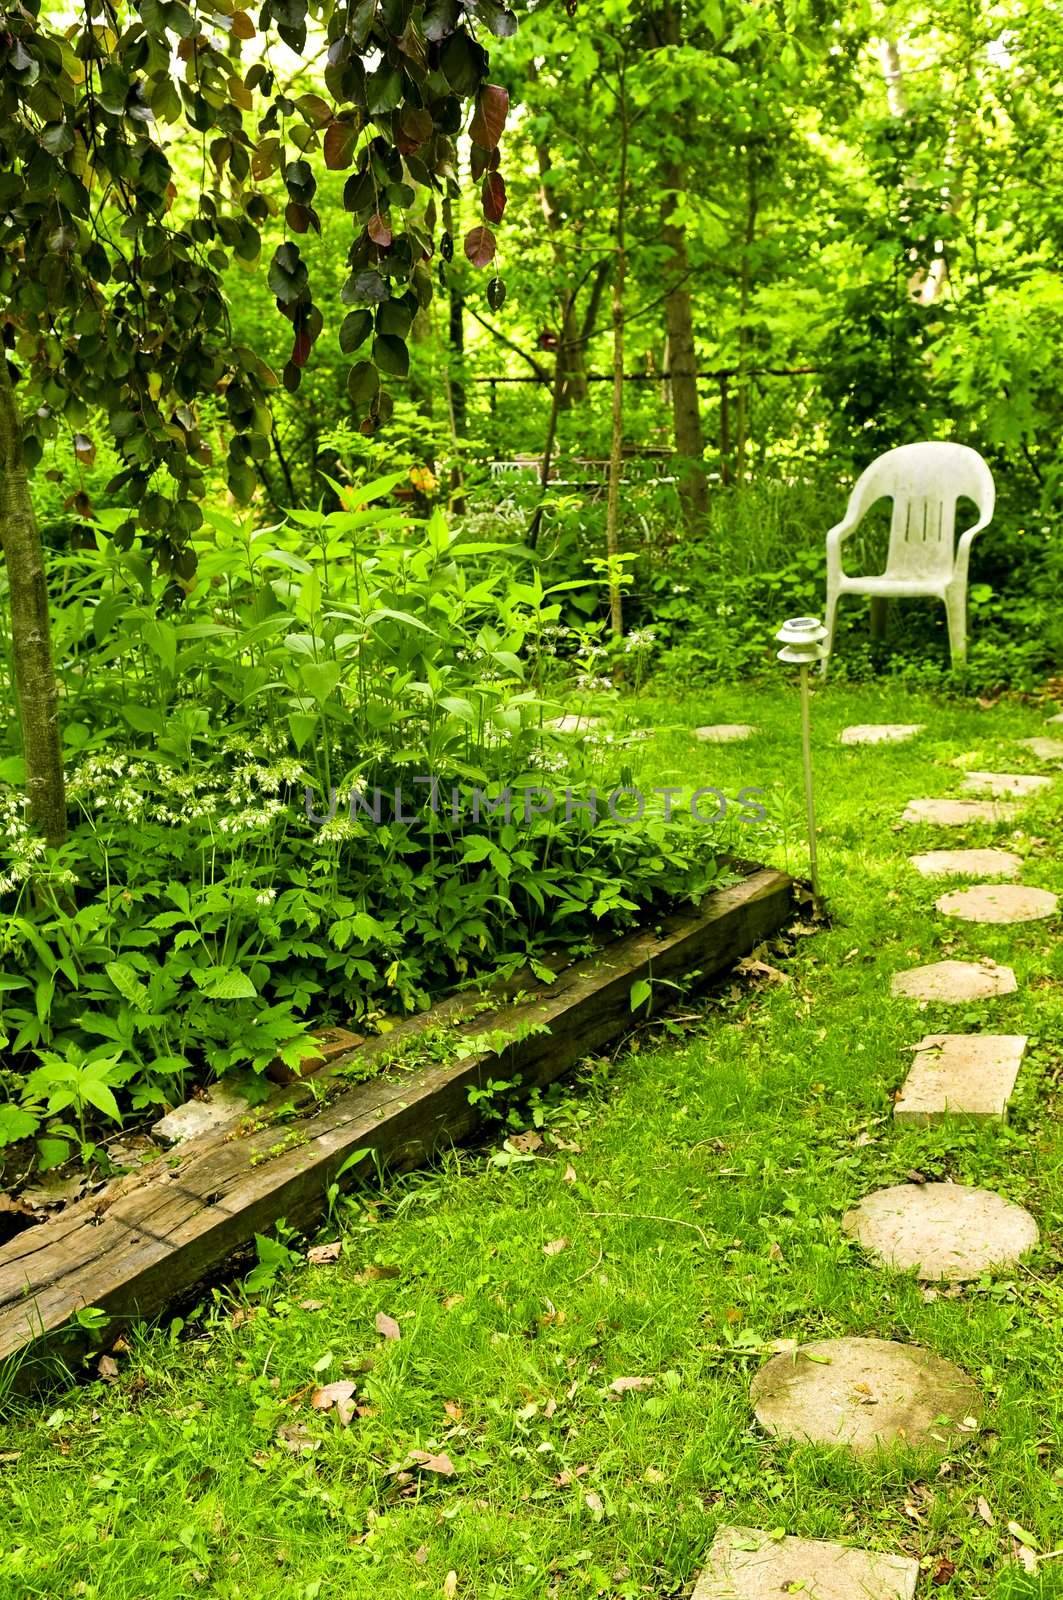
762	969
622	1385
296	1438
593	1502
107	1368
440	1464
323	1255
387	1326
554	1247
944	1572
569	1174
311	1305
330	1395
525	1143
984	1510
452	1300
453	1410
450	1585
420	1555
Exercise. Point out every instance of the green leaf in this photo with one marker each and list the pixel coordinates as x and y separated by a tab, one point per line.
52	1153
391	355
128	984
355	330
641	992
363	386
319	678
16	1123
226	983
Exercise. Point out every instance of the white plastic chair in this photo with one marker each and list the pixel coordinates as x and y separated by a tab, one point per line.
924	481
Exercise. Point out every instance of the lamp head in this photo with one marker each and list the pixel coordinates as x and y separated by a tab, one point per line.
802	639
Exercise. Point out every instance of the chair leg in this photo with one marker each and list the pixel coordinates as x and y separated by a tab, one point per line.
829	621
956	612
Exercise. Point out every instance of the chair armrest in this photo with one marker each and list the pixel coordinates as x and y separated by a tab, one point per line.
837	534
963	547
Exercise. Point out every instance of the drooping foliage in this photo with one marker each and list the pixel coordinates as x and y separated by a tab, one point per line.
112	261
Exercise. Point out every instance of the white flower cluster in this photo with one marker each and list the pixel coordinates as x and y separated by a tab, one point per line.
21	848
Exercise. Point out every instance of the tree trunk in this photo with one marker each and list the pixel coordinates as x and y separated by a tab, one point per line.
679	321
31	638
745	294
455	329
616	450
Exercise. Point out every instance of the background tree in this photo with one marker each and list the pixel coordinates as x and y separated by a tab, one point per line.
112	271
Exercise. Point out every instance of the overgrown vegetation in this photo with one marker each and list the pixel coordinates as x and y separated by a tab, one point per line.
665	1221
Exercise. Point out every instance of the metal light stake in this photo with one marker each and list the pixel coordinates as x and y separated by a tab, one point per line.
802	641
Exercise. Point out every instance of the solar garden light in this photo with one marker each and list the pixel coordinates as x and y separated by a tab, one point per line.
802	642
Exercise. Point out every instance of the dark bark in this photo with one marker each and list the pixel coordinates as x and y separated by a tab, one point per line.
36	688
616	450
679	321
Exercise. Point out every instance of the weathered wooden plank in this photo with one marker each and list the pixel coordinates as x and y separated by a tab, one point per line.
150	1238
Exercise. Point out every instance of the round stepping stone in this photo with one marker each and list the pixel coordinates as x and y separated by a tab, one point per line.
866	1394
998	902
724	732
573	723
749	1564
959	813
944	1232
1044	749
1005	784
1058	718
954	981
880	732
967	864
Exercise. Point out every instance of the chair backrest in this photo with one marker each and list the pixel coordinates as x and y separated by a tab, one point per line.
924	481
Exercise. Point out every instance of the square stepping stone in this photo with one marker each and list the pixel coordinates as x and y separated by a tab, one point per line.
747	1564
967	864
1005	785
966	1075
960	813
954	982
1044	749
880	732
724	732
1002	903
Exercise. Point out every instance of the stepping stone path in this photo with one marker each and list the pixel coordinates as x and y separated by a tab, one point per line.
1044	749
967	864
954	982
966	1075
1057	718
960	813
873	1394
724	732
944	1232
745	1564
866	1394
572	723
880	732
1004	784
998	902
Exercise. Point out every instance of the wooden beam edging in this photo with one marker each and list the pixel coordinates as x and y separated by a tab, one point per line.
148	1239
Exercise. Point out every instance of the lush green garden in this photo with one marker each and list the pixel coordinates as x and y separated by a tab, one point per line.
417	417
668	1218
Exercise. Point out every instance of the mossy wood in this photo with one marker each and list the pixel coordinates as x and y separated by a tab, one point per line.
151	1237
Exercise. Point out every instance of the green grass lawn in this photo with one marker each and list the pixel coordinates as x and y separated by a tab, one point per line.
682	1212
